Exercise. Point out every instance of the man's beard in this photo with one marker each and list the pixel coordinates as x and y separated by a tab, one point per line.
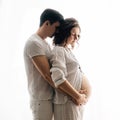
52	35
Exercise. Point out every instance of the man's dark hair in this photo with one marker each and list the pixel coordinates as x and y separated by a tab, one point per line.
51	15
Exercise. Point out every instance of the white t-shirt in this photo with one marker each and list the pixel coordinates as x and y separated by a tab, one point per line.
64	67
38	88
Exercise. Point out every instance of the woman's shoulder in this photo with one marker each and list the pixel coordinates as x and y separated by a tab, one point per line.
58	49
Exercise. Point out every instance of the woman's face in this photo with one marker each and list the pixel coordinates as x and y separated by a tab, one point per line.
74	36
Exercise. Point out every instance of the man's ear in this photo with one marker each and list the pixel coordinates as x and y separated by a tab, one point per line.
47	22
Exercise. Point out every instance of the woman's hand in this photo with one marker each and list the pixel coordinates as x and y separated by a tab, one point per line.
81	101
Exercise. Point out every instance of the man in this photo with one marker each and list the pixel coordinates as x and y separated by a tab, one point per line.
36	56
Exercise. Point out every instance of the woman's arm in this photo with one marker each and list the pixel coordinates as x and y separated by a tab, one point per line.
66	88
77	97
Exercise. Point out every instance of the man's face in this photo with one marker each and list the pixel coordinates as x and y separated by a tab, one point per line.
53	28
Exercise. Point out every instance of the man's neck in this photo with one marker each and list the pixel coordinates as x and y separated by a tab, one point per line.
41	34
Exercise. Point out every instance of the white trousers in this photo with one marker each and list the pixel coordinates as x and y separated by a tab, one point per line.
68	111
42	110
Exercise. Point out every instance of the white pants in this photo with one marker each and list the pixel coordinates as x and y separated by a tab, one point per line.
68	111
42	110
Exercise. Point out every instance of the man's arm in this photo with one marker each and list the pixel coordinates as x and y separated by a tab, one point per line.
42	65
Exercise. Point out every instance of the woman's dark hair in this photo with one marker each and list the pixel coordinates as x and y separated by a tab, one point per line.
51	15
64	31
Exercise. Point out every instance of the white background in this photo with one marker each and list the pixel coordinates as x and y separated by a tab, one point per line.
98	53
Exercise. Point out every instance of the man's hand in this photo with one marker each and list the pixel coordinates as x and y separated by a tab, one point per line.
83	91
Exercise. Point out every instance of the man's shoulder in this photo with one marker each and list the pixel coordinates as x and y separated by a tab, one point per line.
34	39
